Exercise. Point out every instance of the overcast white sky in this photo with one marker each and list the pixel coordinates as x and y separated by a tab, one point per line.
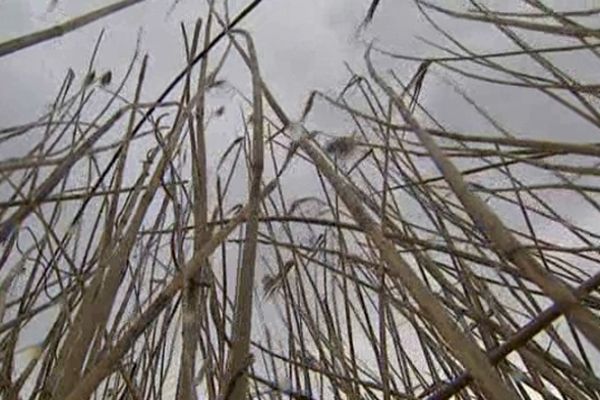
302	44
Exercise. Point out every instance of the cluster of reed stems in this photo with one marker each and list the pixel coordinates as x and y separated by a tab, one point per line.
425	262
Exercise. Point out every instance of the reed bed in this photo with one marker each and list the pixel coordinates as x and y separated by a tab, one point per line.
410	261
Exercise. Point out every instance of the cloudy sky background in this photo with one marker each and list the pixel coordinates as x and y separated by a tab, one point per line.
301	45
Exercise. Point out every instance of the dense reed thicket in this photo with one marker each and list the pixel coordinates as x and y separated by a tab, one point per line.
412	261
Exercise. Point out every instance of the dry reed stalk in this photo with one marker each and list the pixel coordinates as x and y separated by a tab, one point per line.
20	43
242	312
191	291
